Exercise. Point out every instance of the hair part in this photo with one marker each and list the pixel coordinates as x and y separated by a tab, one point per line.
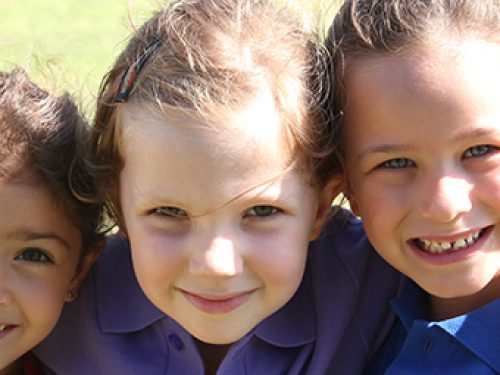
214	57
43	139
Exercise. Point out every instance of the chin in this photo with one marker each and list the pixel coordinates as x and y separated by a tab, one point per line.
449	290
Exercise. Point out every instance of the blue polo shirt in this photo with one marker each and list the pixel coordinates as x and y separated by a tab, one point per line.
333	324
465	345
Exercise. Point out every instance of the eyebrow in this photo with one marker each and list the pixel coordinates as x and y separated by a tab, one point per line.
477	133
26	234
388	148
384	148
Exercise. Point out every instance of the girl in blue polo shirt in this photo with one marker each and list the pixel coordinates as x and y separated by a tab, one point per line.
417	89
214	157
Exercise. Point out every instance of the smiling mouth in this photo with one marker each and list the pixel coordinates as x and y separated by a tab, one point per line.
217	304
440	247
6	327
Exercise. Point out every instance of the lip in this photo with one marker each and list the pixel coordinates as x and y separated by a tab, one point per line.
217	304
7	330
455	255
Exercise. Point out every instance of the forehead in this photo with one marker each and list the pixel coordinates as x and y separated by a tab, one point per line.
448	90
227	156
28	205
447	72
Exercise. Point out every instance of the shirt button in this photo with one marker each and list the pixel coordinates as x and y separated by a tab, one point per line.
175	341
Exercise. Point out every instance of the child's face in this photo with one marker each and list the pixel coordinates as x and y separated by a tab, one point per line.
215	264
422	137
39	252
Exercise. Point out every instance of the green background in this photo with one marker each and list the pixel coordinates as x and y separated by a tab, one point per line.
70	44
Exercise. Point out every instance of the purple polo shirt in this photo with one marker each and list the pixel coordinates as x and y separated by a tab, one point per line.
332	325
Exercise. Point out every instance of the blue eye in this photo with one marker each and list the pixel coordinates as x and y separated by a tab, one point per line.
262	211
478	151
397	163
34	255
170	211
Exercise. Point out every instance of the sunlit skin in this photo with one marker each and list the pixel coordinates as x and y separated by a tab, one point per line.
218	224
39	254
423	159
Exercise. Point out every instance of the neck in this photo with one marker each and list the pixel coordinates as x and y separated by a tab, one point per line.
212	355
15	368
446	308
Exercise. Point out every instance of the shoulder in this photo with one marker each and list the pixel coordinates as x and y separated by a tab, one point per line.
31	365
344	246
350	286
100	329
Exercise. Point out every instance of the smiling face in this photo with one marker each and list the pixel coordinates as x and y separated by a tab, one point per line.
218	226
422	137
39	253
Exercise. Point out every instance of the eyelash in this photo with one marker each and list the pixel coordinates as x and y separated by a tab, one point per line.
482	150
253	212
472	152
34	255
170	212
389	164
180	214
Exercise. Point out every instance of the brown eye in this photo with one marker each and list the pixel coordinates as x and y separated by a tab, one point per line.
34	255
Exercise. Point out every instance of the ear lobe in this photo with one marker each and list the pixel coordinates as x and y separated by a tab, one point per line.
354	206
83	269
326	197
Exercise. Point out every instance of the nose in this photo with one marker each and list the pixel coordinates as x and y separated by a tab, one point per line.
446	199
220	258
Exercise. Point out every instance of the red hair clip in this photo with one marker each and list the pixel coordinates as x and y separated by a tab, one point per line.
129	76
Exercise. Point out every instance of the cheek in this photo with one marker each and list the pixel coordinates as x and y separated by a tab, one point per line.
487	188
280	260
44	306
156	257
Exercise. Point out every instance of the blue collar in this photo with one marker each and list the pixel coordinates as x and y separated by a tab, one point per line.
478	330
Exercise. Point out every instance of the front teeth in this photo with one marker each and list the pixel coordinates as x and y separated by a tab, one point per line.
2	327
442	246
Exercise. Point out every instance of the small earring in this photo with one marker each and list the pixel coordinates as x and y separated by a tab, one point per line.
70	296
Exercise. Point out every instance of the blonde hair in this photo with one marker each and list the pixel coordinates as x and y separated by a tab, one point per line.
209	57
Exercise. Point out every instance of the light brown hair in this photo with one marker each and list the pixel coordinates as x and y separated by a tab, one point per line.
213	57
364	29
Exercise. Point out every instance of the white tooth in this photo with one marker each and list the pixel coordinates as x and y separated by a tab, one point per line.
427	243
2	327
445	245
470	239
459	243
475	236
435	248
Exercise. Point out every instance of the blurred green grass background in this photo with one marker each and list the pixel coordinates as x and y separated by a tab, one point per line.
70	44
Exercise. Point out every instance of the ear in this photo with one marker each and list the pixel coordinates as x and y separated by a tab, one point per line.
326	196
354	205
83	269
